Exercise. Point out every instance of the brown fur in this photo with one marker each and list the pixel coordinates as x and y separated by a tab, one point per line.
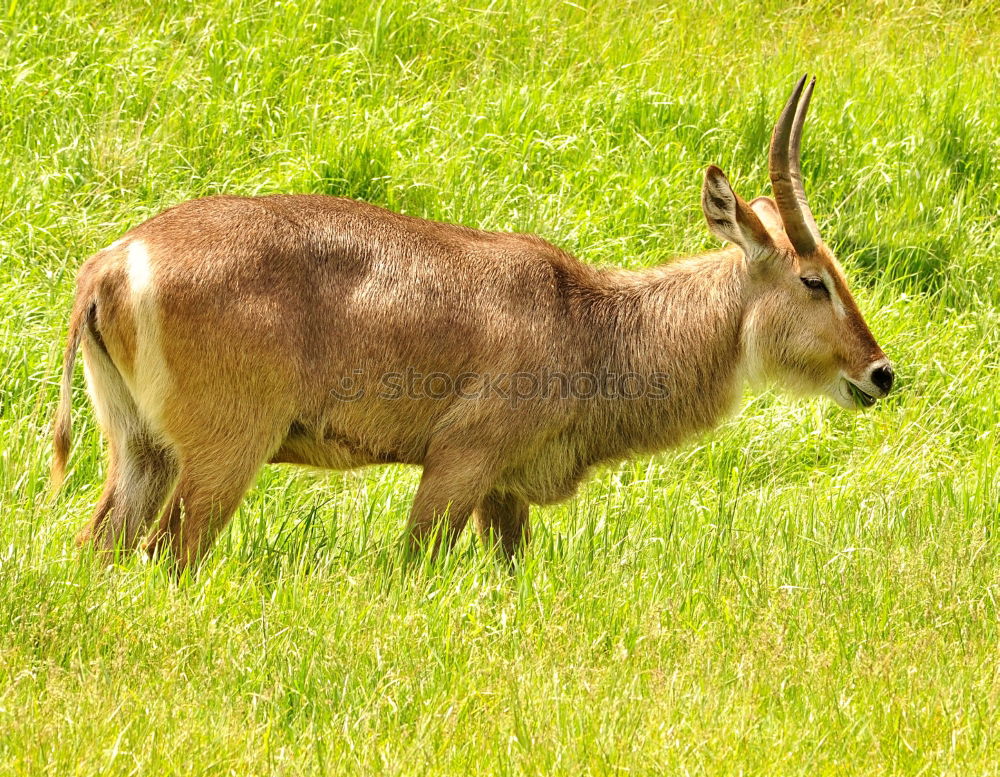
259	308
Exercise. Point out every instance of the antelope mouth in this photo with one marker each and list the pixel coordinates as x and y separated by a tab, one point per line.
862	398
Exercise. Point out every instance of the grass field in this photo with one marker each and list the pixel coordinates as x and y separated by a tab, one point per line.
804	592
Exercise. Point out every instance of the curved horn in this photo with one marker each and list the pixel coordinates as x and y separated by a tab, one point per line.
786	173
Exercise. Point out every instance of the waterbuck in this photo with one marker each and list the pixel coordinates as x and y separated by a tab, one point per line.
228	332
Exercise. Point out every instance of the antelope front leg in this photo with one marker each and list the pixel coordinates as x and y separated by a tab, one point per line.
502	521
453	483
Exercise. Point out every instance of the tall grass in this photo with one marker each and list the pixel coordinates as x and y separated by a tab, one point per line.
805	591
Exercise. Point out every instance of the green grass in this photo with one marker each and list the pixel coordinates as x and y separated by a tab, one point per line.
804	592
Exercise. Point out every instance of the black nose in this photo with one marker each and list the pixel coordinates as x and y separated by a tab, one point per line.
882	377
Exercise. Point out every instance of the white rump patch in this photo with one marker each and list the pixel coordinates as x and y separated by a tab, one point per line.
150	381
140	270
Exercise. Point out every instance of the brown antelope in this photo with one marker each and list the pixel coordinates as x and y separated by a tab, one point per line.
228	332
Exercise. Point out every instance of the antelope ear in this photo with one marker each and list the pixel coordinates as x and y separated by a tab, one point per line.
767	210
730	218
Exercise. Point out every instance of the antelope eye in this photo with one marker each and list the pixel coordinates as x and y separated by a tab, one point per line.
814	283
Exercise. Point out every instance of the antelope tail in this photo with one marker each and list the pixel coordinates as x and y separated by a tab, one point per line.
62	427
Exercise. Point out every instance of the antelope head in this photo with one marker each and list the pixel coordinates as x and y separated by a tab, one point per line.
802	328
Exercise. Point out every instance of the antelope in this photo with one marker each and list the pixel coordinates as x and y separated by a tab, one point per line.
228	332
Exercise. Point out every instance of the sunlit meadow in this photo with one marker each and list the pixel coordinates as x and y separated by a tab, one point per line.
805	591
